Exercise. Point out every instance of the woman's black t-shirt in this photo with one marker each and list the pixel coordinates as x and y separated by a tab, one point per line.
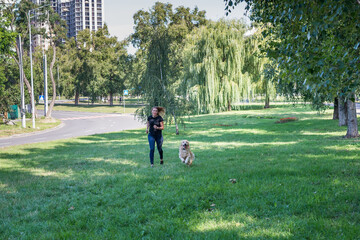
155	121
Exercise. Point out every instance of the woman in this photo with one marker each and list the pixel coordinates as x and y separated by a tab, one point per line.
155	125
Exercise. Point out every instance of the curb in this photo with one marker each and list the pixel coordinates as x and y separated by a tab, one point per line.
62	124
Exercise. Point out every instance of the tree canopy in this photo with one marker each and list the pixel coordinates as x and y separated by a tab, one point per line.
214	59
159	34
315	44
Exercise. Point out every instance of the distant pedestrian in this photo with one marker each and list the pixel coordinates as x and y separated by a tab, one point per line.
155	125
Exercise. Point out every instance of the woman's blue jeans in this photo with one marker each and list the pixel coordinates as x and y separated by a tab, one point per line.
159	141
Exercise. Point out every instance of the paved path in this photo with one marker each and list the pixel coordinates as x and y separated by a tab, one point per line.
76	124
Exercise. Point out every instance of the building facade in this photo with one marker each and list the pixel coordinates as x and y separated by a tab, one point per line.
79	14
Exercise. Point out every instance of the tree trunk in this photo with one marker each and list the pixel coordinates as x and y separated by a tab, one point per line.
267	101
336	109
4	117
77	96
176	125
48	114
25	80
342	112
30	93
229	105
352	125
111	99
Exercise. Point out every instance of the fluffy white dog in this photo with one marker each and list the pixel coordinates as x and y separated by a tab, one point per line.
185	155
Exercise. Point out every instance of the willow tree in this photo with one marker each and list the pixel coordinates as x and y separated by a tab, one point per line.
214	59
159	34
259	67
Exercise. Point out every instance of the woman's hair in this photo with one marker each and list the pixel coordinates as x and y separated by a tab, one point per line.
161	110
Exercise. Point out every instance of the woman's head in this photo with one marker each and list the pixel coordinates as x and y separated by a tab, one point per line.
155	111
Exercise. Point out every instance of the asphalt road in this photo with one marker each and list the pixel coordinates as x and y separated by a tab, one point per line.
76	124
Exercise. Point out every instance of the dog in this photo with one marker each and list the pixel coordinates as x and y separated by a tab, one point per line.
185	155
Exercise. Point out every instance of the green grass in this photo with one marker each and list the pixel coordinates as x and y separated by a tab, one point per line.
40	124
129	108
131	105
295	180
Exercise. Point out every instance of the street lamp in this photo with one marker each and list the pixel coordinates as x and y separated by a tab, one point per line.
31	66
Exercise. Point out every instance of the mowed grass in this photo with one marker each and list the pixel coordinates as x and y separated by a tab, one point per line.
131	105
97	108
40	124
297	180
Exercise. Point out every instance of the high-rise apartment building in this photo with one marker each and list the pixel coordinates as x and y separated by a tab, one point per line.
79	14
87	14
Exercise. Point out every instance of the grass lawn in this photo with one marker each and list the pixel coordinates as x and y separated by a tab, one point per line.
40	124
129	108
296	180
131	105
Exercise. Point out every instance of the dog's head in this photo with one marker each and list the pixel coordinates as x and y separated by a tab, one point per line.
185	144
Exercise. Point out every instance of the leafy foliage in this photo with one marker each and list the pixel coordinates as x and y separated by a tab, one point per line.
315	45
96	64
260	68
214	58
159	34
7	41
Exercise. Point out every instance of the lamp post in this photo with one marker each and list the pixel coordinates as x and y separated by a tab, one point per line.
22	111
32	78
31	66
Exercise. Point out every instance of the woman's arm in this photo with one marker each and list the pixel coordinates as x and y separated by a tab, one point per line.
161	126
147	127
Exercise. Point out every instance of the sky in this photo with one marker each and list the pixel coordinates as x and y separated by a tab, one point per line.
119	13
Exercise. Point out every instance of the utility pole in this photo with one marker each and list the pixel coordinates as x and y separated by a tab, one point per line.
22	110
32	78
31	65
59	83
45	87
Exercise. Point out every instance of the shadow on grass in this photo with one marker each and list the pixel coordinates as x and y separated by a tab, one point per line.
289	184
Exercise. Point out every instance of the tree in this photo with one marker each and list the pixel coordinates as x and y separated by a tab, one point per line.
315	44
136	68
260	68
16	13
83	63
214	61
7	42
9	91
159	34
111	57
7	37
56	35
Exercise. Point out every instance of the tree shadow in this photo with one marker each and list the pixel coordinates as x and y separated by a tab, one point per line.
289	184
